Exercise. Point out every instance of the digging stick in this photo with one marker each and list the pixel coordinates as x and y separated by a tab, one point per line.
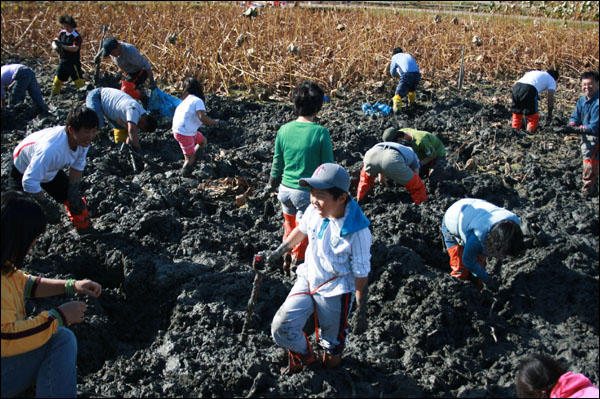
258	263
97	70
462	70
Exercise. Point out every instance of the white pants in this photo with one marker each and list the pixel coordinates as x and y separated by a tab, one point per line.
332	318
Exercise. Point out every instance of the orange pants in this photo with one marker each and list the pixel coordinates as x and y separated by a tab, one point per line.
289	223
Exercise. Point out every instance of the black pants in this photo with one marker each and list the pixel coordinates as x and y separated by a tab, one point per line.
524	99
57	188
69	69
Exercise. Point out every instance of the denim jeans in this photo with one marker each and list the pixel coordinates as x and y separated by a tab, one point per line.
408	82
94	101
293	201
51	367
25	81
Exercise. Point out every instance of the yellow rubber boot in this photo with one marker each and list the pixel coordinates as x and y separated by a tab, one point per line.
397	100
56	86
79	83
412	98
120	135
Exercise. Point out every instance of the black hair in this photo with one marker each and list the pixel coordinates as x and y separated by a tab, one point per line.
537	375
553	73
307	98
68	20
82	116
192	86
589	75
504	238
150	124
397	50
23	220
337	192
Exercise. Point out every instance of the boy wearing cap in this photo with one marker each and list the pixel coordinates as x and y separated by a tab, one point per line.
335	271
395	161
129	60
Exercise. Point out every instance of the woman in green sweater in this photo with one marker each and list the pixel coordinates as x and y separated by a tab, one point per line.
300	147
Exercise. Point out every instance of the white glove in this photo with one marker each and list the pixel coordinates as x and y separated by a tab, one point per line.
54	46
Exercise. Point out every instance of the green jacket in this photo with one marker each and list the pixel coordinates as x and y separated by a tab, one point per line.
300	148
424	143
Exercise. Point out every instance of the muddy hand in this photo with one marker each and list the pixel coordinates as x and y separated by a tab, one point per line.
88	287
73	311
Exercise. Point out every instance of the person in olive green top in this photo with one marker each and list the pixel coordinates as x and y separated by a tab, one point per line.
428	147
300	147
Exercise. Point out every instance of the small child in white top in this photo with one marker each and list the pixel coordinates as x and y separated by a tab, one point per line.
189	116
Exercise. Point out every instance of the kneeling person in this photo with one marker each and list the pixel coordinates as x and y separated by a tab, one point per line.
336	268
39	158
123	112
474	229
391	160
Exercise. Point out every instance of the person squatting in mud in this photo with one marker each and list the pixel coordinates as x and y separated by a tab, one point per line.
20	79
300	147
585	121
335	270
68	45
39	158
135	67
525	94
429	149
39	350
188	117
124	114
404	66
540	376
474	229
391	160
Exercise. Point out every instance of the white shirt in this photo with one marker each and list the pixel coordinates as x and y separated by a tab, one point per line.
186	121
348	257
540	80
42	154
120	107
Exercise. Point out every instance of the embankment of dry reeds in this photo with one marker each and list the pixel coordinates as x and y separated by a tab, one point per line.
282	46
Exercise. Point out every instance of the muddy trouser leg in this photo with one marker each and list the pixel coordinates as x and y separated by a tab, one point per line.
291	317
25	81
589	150
332	315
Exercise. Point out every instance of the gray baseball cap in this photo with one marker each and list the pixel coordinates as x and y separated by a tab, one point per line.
326	176
109	45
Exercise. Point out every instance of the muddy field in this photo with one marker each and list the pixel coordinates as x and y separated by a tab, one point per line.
173	255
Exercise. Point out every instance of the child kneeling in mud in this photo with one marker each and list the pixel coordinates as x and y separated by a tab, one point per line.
540	376
189	116
336	269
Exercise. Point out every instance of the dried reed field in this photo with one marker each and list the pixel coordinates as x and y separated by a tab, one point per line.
281	46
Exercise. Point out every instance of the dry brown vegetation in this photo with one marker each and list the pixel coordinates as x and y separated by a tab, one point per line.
282	46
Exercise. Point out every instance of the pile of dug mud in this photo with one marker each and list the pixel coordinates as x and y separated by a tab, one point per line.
173	255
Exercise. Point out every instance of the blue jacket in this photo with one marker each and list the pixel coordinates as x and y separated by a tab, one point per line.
586	114
402	63
469	221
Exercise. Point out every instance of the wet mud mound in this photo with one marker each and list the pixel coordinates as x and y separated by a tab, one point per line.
173	255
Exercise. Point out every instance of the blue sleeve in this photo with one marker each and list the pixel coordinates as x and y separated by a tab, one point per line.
592	125
472	249
576	117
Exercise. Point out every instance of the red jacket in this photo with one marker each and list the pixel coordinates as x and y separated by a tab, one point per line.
571	385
